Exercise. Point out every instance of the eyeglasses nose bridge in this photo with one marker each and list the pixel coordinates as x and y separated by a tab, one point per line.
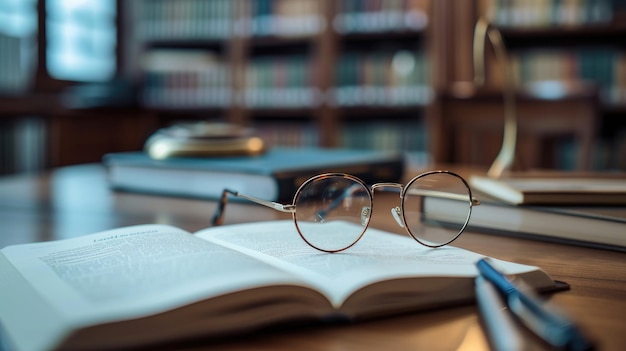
396	212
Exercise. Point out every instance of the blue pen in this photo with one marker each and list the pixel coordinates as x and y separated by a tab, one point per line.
552	326
501	327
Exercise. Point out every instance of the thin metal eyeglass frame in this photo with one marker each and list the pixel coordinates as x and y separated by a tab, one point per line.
397	212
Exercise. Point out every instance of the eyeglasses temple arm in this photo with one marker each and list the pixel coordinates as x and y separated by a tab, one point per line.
271	204
219	211
443	194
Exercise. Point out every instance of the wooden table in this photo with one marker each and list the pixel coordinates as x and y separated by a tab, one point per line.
74	201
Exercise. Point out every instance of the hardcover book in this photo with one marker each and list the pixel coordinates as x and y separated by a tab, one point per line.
156	284
554	190
273	176
591	226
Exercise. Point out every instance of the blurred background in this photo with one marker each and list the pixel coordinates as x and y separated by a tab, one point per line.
81	78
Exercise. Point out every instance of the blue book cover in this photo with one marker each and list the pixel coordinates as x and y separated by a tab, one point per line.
274	175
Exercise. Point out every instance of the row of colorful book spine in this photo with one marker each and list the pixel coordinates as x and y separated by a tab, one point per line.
185	79
286	81
218	19
604	67
185	19
383	134
197	78
399	136
537	14
382	79
293	18
362	16
288	133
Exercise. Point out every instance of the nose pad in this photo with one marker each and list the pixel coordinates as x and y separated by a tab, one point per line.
365	215
396	212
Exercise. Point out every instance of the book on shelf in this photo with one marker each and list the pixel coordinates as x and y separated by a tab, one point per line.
550	72
185	79
553	190
398	78
274	175
590	226
280	81
548	14
283	18
194	19
381	16
112	289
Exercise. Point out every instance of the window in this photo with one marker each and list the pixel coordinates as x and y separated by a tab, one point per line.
81	39
18	18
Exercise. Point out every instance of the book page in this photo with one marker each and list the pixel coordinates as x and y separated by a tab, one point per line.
135	271
376	257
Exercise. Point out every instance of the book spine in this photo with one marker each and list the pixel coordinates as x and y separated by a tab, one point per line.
183	20
288	134
397	78
283	18
279	82
382	171
185	79
542	14
601	66
356	16
380	134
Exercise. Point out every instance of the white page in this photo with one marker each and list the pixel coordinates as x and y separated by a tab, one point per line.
135	271
377	256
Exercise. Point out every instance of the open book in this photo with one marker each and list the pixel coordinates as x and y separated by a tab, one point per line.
154	283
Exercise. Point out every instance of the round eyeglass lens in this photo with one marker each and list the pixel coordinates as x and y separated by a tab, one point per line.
436	207
332	211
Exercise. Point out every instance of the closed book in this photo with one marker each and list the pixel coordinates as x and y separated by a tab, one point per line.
554	190
590	226
273	176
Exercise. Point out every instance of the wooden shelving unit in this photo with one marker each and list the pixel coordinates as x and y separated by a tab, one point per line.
551	61
367	74
306	61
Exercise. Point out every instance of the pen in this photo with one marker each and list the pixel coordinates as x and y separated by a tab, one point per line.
553	327
501	329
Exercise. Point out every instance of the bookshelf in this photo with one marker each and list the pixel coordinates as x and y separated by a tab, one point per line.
390	74
568	62
302	72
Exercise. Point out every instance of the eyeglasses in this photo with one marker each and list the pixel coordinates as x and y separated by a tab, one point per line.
435	208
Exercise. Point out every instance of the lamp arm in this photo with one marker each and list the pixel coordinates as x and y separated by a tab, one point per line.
483	32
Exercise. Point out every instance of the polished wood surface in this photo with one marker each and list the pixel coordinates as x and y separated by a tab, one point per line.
73	201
